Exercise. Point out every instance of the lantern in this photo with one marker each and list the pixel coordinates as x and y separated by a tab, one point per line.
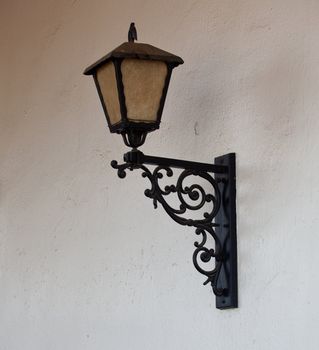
132	82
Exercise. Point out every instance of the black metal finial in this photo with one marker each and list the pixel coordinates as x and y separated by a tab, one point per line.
132	33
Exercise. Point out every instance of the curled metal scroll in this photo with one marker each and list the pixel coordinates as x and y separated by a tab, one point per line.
187	196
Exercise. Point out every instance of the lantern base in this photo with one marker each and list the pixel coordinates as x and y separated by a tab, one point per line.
134	138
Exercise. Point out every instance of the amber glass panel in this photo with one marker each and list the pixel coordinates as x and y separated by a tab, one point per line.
107	81
143	82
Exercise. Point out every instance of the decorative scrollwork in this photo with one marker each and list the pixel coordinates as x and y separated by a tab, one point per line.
205	255
191	198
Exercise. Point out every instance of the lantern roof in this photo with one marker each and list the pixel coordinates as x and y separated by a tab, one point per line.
136	50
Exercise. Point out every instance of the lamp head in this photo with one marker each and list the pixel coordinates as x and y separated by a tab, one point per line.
132	82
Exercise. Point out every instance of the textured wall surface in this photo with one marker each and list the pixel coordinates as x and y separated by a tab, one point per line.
85	261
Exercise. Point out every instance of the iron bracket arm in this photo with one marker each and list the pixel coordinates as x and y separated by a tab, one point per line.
139	158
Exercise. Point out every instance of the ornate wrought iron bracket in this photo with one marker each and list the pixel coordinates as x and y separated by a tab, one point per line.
218	222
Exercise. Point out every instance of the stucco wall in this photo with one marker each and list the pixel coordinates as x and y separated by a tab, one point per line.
85	261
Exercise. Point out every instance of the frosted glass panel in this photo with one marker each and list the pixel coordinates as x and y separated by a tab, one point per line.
143	82
107	81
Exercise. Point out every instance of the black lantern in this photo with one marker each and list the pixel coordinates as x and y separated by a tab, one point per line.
132	82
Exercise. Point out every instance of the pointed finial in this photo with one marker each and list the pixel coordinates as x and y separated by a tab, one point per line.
132	33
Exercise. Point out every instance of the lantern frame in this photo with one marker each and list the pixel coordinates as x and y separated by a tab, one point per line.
133	132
